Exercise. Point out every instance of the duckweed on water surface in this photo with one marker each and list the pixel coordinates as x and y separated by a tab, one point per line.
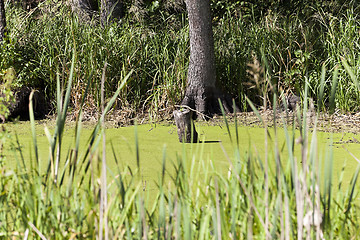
156	139
173	189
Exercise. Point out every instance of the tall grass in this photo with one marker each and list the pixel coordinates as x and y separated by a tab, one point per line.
158	58
199	202
40	44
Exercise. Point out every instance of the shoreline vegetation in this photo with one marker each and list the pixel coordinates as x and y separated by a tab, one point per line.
259	52
261	57
333	123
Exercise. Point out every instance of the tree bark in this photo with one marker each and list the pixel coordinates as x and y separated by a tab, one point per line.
186	128
111	10
88	4
202	92
2	21
85	8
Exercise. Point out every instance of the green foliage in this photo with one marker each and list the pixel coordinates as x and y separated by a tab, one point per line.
7	98
158	58
288	46
255	56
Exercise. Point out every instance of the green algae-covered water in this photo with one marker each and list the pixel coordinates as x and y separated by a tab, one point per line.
160	141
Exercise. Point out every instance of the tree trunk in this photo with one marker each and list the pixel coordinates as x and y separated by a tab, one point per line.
186	128
202	93
111	10
88	4
2	20
85	8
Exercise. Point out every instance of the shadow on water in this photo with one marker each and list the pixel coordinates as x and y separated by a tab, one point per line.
209	141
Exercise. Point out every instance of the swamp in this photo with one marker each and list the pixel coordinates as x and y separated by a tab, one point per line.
90	147
158	141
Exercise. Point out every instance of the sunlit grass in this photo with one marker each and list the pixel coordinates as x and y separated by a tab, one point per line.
289	48
283	189
195	200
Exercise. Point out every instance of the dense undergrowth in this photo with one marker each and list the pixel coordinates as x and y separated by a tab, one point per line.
259	48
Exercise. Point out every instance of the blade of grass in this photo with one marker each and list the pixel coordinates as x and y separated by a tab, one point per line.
322	86
353	182
335	82
204	224
351	73
328	183
33	130
137	147
103	184
62	117
236	126
225	120
218	218
37	231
